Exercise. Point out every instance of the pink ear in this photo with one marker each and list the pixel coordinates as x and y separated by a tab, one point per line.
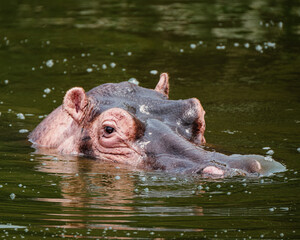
75	102
200	124
163	85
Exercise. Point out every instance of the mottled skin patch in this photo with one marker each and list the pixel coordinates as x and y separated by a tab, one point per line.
128	124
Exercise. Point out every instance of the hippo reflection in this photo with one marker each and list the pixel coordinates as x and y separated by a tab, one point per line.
129	124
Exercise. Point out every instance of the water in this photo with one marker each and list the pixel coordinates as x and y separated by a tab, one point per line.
240	59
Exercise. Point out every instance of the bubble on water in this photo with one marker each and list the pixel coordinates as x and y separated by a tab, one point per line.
23	131
82	54
112	53
259	48
298	149
271	44
246	45
181	50
117	177
200	187
47	90
6	81
89	70
228	193
154	178
220	47
47	42
113	65
20	185
146	189
281	234
136	190
153	72
104	66
123	69
200	42
266	148
193	45
134	81
143	179
50	63
269	158
129	53
270	152
21	116
236	44
33	68
262	181
280	24
12	196
173	178
271	209
1	186
262	236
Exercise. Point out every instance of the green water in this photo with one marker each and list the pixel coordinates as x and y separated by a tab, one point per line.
240	58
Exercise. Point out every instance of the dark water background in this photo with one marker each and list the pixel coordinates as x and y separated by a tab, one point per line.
240	58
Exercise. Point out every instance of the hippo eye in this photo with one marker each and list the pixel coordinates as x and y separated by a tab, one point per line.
109	129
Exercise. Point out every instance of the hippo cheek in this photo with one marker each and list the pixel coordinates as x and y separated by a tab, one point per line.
113	134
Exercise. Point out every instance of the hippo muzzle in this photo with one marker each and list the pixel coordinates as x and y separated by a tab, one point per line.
128	124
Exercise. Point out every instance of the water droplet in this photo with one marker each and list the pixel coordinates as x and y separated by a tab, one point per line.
89	70
104	66
117	177
6	81
113	65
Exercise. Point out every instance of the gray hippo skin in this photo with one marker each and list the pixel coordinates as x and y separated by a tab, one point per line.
128	124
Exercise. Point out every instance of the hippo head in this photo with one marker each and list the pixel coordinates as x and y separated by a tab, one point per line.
129	124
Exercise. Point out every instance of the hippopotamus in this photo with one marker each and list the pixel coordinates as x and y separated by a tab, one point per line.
128	124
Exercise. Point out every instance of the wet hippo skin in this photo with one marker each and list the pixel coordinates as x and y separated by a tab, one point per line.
125	123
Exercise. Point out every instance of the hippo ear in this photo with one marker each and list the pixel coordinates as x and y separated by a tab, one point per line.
200	125
163	85
75	102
